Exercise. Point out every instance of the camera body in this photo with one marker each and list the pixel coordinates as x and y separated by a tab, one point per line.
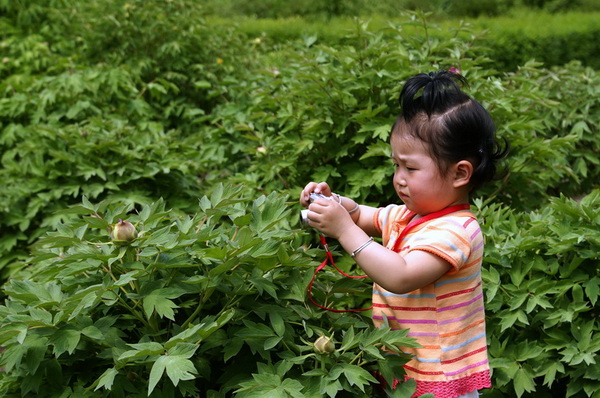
304	213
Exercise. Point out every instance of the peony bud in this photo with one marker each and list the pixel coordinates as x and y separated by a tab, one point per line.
324	345
123	231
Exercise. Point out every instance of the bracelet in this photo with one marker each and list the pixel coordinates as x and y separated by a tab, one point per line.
361	247
353	210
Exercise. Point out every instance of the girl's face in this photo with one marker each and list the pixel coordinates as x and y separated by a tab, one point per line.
417	179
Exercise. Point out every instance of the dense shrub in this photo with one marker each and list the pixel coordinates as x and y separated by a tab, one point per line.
117	107
318	9
140	110
563	5
196	304
509	41
542	284
514	48
474	8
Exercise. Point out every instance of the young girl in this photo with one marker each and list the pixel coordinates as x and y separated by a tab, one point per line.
427	273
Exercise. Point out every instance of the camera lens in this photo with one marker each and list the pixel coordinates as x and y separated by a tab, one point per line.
304	218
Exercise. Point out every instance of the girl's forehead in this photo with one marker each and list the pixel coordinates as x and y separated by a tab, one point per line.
405	144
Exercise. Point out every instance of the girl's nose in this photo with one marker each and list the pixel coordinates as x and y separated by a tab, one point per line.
400	180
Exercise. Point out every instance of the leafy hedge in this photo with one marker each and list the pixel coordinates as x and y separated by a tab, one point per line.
202	137
510	41
193	305
321	9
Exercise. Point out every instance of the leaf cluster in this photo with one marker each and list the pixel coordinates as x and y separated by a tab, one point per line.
139	110
197	303
542	286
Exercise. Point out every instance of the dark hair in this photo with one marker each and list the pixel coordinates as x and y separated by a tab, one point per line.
454	126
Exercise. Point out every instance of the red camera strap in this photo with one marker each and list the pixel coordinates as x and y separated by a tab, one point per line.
413	223
329	259
329	255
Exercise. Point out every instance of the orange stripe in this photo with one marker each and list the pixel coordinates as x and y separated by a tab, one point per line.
422	372
430	347
443	296
466	355
404	308
466	242
472	263
376	222
456	333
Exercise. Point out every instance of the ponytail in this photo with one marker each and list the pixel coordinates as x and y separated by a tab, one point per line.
455	127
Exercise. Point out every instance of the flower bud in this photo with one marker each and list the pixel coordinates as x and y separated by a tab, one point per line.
123	231
324	345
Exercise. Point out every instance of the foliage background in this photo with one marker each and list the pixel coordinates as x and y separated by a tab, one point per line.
142	110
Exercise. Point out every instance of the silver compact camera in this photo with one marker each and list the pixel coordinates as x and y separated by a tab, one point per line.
304	213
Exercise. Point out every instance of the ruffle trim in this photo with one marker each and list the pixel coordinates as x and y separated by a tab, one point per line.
454	388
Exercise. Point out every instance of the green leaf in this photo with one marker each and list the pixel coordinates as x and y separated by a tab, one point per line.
64	340
592	289
550	370
232	348
12	357
88	301
202	84
349	339
160	301
271	342
277	322
185	350
107	379
357	376
93	332
142	350
523	381
330	387
158	368
36	351
179	368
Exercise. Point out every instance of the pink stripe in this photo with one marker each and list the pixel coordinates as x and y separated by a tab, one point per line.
459	305
479	246
466	368
477	231
417	321
462	317
424	334
469	221
428	321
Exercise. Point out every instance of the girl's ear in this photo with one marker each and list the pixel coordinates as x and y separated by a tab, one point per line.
463	171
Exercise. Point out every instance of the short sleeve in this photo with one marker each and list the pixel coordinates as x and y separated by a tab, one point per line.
445	237
387	219
382	217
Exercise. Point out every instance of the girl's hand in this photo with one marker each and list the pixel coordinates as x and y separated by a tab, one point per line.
311	187
329	217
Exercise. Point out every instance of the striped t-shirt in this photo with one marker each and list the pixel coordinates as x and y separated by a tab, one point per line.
446	317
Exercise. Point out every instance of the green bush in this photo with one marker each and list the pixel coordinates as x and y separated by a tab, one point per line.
474	8
510	40
207	303
109	104
542	285
140	111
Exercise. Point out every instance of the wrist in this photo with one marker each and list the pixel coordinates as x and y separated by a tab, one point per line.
344	201
352	237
